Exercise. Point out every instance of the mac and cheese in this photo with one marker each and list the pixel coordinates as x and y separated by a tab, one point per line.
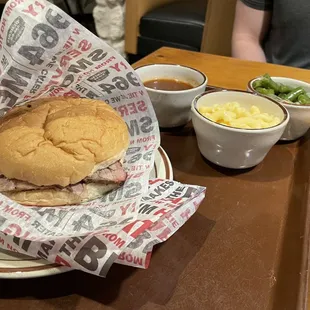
233	115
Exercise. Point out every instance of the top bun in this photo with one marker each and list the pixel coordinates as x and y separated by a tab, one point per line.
60	140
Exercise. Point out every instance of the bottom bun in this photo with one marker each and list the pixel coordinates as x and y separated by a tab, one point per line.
52	197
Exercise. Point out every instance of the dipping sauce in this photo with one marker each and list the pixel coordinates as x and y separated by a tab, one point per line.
233	115
167	84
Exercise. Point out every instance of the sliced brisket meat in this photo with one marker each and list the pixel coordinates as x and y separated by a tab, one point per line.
113	174
7	185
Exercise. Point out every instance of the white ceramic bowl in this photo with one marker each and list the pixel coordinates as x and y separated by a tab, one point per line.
233	147
299	122
172	108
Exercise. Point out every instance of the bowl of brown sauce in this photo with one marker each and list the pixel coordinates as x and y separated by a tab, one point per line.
172	88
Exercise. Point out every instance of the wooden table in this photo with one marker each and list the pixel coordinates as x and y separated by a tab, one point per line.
240	251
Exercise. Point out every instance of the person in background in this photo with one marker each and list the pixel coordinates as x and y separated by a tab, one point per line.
274	31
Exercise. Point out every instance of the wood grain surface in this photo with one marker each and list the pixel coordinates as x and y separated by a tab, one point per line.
223	71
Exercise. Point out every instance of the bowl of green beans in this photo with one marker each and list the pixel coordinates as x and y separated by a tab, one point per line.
293	94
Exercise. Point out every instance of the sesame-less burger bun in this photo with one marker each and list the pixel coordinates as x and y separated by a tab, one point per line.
60	141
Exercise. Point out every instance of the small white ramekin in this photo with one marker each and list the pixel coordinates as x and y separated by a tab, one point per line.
234	147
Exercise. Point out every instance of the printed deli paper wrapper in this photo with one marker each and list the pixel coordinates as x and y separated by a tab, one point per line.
44	52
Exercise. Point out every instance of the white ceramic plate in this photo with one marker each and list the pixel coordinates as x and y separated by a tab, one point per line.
17	266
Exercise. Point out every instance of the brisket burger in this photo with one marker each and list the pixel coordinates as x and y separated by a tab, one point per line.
61	151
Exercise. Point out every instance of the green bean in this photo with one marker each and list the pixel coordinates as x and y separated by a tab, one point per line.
265	91
267	86
257	83
281	95
304	99
294	94
285	89
269	83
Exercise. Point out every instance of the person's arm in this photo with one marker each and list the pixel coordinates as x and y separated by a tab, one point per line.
250	27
